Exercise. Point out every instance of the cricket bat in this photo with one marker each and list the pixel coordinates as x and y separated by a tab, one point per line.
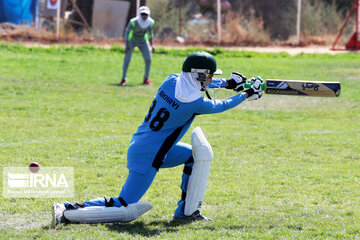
300	88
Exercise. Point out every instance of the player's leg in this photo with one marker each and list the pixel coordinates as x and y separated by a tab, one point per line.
135	186
179	154
183	153
123	209
102	214
195	179
145	50
127	59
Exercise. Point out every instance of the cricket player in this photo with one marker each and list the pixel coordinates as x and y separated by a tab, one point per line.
138	31
155	145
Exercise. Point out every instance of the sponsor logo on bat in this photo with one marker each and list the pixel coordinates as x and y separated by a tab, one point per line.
278	85
310	86
337	93
283	91
283	85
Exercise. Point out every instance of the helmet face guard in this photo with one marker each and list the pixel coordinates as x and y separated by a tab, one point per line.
195	70
202	74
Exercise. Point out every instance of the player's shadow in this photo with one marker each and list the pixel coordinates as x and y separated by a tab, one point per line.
127	85
148	229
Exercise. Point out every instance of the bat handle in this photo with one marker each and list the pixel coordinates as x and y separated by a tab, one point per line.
248	85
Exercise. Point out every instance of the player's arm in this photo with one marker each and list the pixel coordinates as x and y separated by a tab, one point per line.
151	37
236	82
127	34
152	45
207	106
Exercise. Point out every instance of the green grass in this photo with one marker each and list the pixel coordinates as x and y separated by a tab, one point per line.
284	167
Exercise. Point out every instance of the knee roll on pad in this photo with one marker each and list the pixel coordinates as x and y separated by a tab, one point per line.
201	148
202	154
107	214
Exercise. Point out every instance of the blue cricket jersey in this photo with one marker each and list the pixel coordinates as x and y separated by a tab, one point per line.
166	123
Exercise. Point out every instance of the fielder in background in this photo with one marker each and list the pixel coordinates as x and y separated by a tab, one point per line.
155	145
138	32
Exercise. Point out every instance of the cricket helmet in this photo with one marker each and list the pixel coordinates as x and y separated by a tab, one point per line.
200	62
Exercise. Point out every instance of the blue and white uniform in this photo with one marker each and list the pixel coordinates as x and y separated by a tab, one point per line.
156	144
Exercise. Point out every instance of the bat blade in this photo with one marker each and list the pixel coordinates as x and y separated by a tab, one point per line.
302	88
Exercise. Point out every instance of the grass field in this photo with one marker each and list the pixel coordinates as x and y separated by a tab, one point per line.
284	167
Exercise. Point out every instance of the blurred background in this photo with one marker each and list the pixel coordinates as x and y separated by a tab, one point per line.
208	22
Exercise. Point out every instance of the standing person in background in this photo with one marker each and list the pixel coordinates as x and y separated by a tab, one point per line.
138	31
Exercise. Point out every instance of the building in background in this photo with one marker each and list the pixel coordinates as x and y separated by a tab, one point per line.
21	12
108	18
105	18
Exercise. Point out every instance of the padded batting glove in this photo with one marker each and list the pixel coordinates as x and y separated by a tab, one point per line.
255	91
236	82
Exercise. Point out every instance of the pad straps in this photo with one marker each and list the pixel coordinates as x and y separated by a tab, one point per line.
122	201
109	202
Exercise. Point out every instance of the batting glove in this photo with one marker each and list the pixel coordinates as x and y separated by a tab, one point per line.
255	91
236	82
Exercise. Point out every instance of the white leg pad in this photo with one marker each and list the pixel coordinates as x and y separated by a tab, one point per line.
107	214
202	154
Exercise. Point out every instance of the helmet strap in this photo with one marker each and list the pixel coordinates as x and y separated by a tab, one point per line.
207	94
206	91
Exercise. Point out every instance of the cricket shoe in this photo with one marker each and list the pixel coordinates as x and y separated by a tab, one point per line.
147	82
123	82
58	214
196	216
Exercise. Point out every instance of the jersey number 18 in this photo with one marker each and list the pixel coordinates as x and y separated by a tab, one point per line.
158	121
